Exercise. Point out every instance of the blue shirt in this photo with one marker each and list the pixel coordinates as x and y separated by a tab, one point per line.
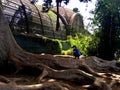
77	52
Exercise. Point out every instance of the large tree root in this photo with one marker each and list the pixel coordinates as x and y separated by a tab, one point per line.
43	86
74	75
100	64
71	74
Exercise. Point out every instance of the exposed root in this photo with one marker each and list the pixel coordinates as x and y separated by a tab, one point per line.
75	75
4	79
100	64
43	86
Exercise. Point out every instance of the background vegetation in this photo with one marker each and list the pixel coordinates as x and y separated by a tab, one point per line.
107	18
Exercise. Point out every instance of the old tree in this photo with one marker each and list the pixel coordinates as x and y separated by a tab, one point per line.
21	70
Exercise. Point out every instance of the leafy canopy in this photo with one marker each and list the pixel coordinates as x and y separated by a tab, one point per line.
107	15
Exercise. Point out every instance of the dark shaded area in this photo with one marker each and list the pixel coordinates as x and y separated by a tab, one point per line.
38	44
30	71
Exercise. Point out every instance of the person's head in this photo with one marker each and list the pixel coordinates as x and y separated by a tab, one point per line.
73	46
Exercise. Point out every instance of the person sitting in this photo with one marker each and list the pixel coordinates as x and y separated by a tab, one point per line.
76	52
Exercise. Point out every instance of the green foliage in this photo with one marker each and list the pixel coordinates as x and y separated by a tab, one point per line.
66	47
93	45
75	10
87	44
67	52
57	46
107	16
52	15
